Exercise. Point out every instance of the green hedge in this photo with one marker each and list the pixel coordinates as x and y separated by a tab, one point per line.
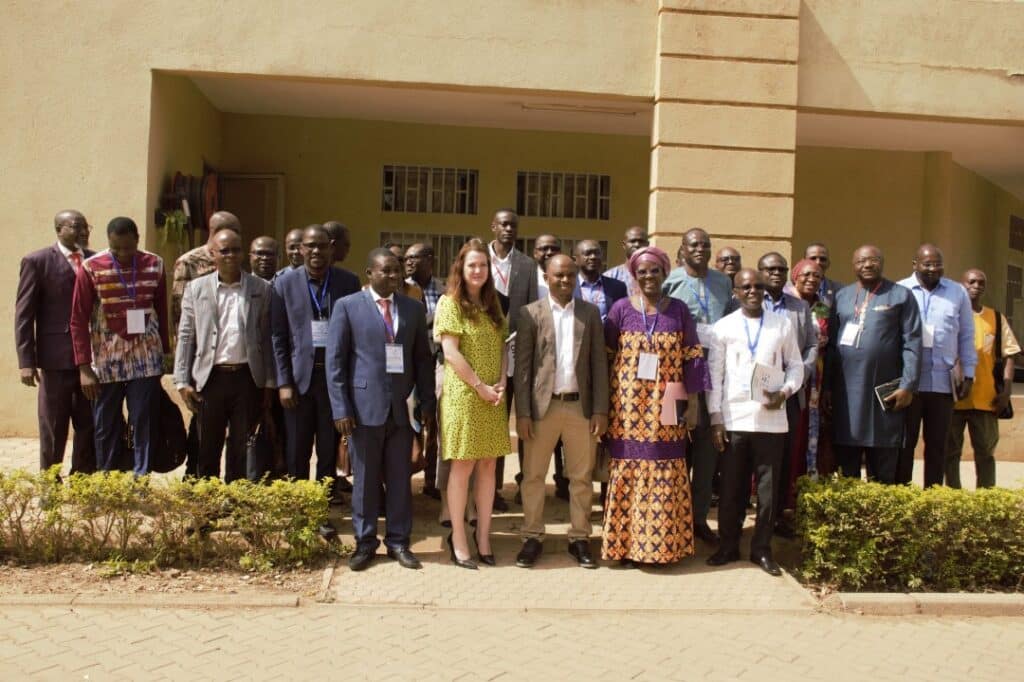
873	537
117	517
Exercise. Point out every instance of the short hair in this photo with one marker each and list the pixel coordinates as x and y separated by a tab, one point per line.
335	229
768	255
377	253
122	226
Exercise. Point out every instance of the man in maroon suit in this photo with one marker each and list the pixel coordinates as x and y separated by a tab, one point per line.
43	337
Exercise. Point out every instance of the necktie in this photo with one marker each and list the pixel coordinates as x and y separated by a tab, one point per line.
389	323
76	261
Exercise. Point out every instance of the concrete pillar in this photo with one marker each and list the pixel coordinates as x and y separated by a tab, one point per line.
724	138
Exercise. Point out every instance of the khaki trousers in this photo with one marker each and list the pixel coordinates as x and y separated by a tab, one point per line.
564	420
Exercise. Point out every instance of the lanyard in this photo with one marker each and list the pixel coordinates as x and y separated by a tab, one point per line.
705	305
927	302
752	345
861	311
501	277
649	331
319	299
135	273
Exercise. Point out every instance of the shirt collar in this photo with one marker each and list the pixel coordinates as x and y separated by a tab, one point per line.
376	298
494	256
584	282
556	308
66	251
916	283
231	285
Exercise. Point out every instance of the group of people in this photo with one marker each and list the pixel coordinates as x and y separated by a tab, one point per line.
667	384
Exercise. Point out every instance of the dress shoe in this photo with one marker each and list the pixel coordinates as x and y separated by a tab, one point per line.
628	564
432	492
704	532
404	557
461	563
767	565
580	550
362	559
486	559
500	505
343	485
328	532
723	557
528	555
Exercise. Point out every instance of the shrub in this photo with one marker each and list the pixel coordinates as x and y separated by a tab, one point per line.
116	517
868	536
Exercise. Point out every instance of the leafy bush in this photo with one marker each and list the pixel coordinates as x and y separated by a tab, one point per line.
868	536
115	517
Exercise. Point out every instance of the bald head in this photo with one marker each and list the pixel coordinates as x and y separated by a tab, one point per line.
224	220
263	257
928	265
293	247
72	229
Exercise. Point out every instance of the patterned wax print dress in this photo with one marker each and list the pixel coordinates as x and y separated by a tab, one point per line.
649	513
471	428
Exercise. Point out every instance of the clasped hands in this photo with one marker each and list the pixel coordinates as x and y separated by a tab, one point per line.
491	393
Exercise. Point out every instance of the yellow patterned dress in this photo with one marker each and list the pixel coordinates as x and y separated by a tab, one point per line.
471	428
649	513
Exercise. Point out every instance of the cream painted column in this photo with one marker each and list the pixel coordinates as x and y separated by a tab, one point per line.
724	138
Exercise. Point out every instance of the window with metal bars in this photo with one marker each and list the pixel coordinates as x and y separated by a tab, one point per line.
586	196
429	189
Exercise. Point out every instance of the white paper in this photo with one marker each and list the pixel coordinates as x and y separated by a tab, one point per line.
765	379
927	335
394	358
849	335
319	329
136	321
647	367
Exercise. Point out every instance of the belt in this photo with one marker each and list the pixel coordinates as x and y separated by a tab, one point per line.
232	368
566	397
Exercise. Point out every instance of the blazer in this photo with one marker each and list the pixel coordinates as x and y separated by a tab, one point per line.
357	380
197	331
42	311
534	373
522	287
291	315
613	291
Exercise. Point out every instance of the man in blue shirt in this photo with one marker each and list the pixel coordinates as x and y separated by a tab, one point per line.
706	293
947	341
591	285
634	238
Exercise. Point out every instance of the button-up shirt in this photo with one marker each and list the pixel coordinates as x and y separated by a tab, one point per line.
230	342
67	255
946	313
621	273
565	362
592	292
501	269
391	307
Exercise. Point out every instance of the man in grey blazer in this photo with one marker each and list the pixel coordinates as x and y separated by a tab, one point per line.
561	377
377	352
224	365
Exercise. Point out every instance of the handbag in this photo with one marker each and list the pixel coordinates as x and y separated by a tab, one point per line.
999	368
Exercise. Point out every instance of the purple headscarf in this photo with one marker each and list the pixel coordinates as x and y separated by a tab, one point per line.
650	253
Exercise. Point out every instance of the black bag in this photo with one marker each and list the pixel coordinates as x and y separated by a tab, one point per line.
1000	367
169	437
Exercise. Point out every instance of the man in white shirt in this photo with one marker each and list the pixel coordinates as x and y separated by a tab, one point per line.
561	378
755	366
544	247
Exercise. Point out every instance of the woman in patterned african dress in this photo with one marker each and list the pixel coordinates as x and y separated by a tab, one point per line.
649	515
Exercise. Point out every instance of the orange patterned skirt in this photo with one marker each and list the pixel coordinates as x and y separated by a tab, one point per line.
648	515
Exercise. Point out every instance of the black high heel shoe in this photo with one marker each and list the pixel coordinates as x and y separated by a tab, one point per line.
461	563
486	559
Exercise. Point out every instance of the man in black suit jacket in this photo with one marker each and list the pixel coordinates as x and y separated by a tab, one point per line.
591	285
300	308
42	333
515	278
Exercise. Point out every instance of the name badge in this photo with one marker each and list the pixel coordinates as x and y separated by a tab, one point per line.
319	329
849	335
136	321
394	358
647	367
704	335
927	335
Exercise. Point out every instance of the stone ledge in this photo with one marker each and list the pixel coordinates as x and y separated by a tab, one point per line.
927	604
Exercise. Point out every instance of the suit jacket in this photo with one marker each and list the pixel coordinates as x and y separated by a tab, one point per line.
42	313
534	374
357	380
197	331
522	287
291	315
613	291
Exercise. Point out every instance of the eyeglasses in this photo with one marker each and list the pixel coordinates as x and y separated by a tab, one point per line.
263	254
751	287
728	259
809	274
869	260
313	246
776	268
230	251
818	259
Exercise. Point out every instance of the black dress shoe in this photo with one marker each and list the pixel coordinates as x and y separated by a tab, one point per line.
628	564
486	559
723	557
580	550
432	492
328	532
343	485
704	532
528	555
461	563
404	557
361	560
767	565
499	503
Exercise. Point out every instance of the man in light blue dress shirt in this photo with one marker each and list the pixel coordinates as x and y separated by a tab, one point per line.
947	341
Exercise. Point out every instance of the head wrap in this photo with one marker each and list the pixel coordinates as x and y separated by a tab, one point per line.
650	253
801	266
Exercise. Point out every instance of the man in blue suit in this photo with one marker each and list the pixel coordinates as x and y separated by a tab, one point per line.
377	353
300	309
591	285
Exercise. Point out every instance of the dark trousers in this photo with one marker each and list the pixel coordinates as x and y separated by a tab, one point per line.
380	456
702	460
984	429
311	420
760	453
61	401
934	411
142	396
881	462
430	447
785	470
192	447
229	397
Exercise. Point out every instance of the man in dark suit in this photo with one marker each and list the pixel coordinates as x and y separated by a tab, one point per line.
377	353
561	374
300	309
42	334
515	278
593	287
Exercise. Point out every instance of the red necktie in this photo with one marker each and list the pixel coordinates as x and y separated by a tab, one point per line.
389	323
76	261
